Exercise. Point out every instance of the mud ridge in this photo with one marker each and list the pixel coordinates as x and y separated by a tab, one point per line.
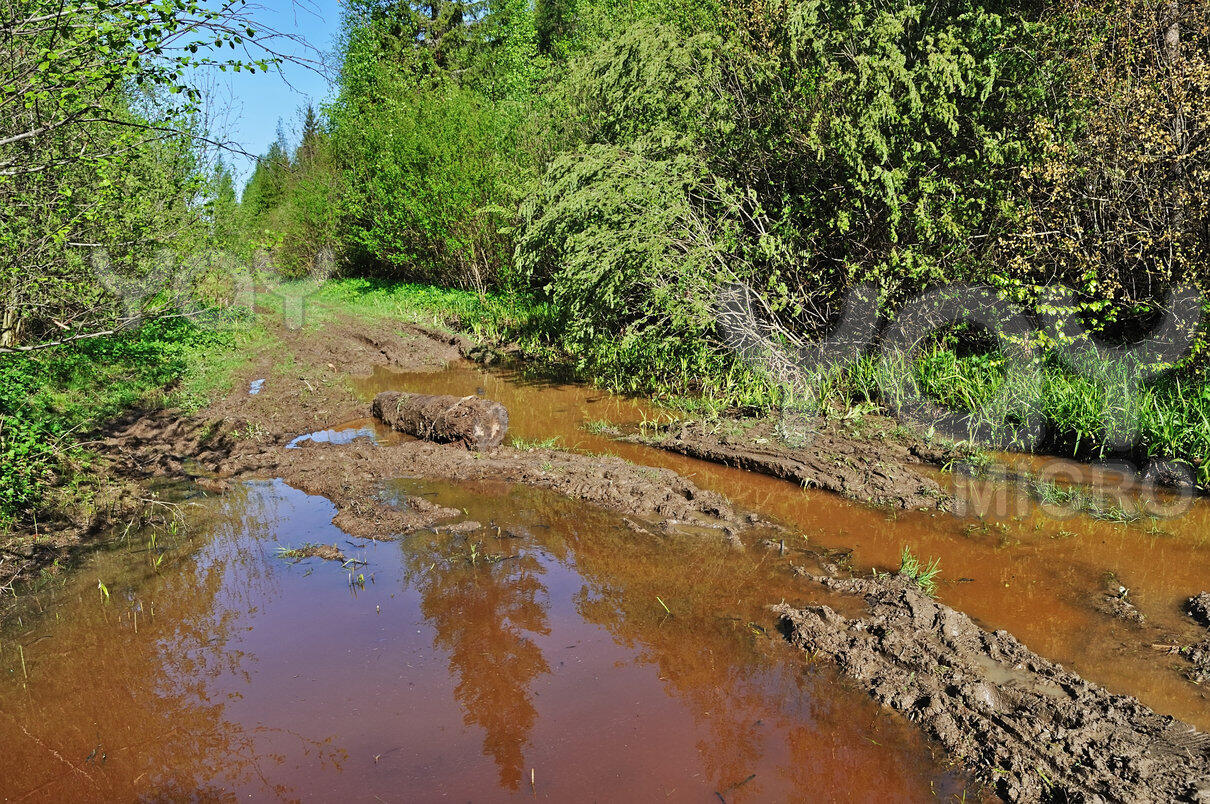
327	552
1025	726
864	469
347	474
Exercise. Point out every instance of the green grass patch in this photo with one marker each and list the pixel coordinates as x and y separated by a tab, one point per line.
1171	413
50	401
487	317
529	444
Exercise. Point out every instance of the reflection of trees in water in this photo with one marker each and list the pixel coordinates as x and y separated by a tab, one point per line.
146	701
753	710
484	615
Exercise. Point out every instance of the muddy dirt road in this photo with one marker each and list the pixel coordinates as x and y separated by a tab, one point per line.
571	611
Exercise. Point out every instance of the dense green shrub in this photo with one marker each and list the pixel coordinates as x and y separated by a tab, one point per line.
613	239
433	180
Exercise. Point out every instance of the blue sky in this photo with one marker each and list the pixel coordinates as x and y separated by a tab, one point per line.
245	108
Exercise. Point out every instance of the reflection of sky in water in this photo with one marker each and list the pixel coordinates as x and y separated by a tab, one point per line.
334	436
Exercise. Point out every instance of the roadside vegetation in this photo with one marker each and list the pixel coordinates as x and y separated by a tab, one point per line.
52	402
581	177
112	202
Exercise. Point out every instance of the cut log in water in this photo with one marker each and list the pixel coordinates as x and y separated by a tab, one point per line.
480	424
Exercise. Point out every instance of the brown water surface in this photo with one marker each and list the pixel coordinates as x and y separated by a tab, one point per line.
562	657
1020	569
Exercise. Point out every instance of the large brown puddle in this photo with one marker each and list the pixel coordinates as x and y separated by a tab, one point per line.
566	657
563	657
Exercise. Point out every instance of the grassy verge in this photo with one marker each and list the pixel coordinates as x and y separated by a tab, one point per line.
704	379
1172	412
51	401
489	318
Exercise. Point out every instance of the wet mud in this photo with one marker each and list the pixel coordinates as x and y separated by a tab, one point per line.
1198	607
1115	601
350	476
1197	654
872	468
327	552
1029	729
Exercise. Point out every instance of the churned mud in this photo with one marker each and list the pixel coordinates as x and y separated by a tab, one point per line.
1199	661
868	469
327	552
1028	728
1115	601
1199	608
1198	654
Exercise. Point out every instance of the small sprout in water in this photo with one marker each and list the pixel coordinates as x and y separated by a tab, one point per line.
104	590
923	575
662	603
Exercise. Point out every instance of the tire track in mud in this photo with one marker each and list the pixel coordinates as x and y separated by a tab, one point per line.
1028	728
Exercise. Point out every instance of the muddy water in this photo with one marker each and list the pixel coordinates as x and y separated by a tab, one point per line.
560	656
1019	568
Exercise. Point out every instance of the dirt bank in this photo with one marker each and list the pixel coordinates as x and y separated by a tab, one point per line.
873	466
1028	728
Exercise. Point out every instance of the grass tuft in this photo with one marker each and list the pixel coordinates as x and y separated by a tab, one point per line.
923	575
